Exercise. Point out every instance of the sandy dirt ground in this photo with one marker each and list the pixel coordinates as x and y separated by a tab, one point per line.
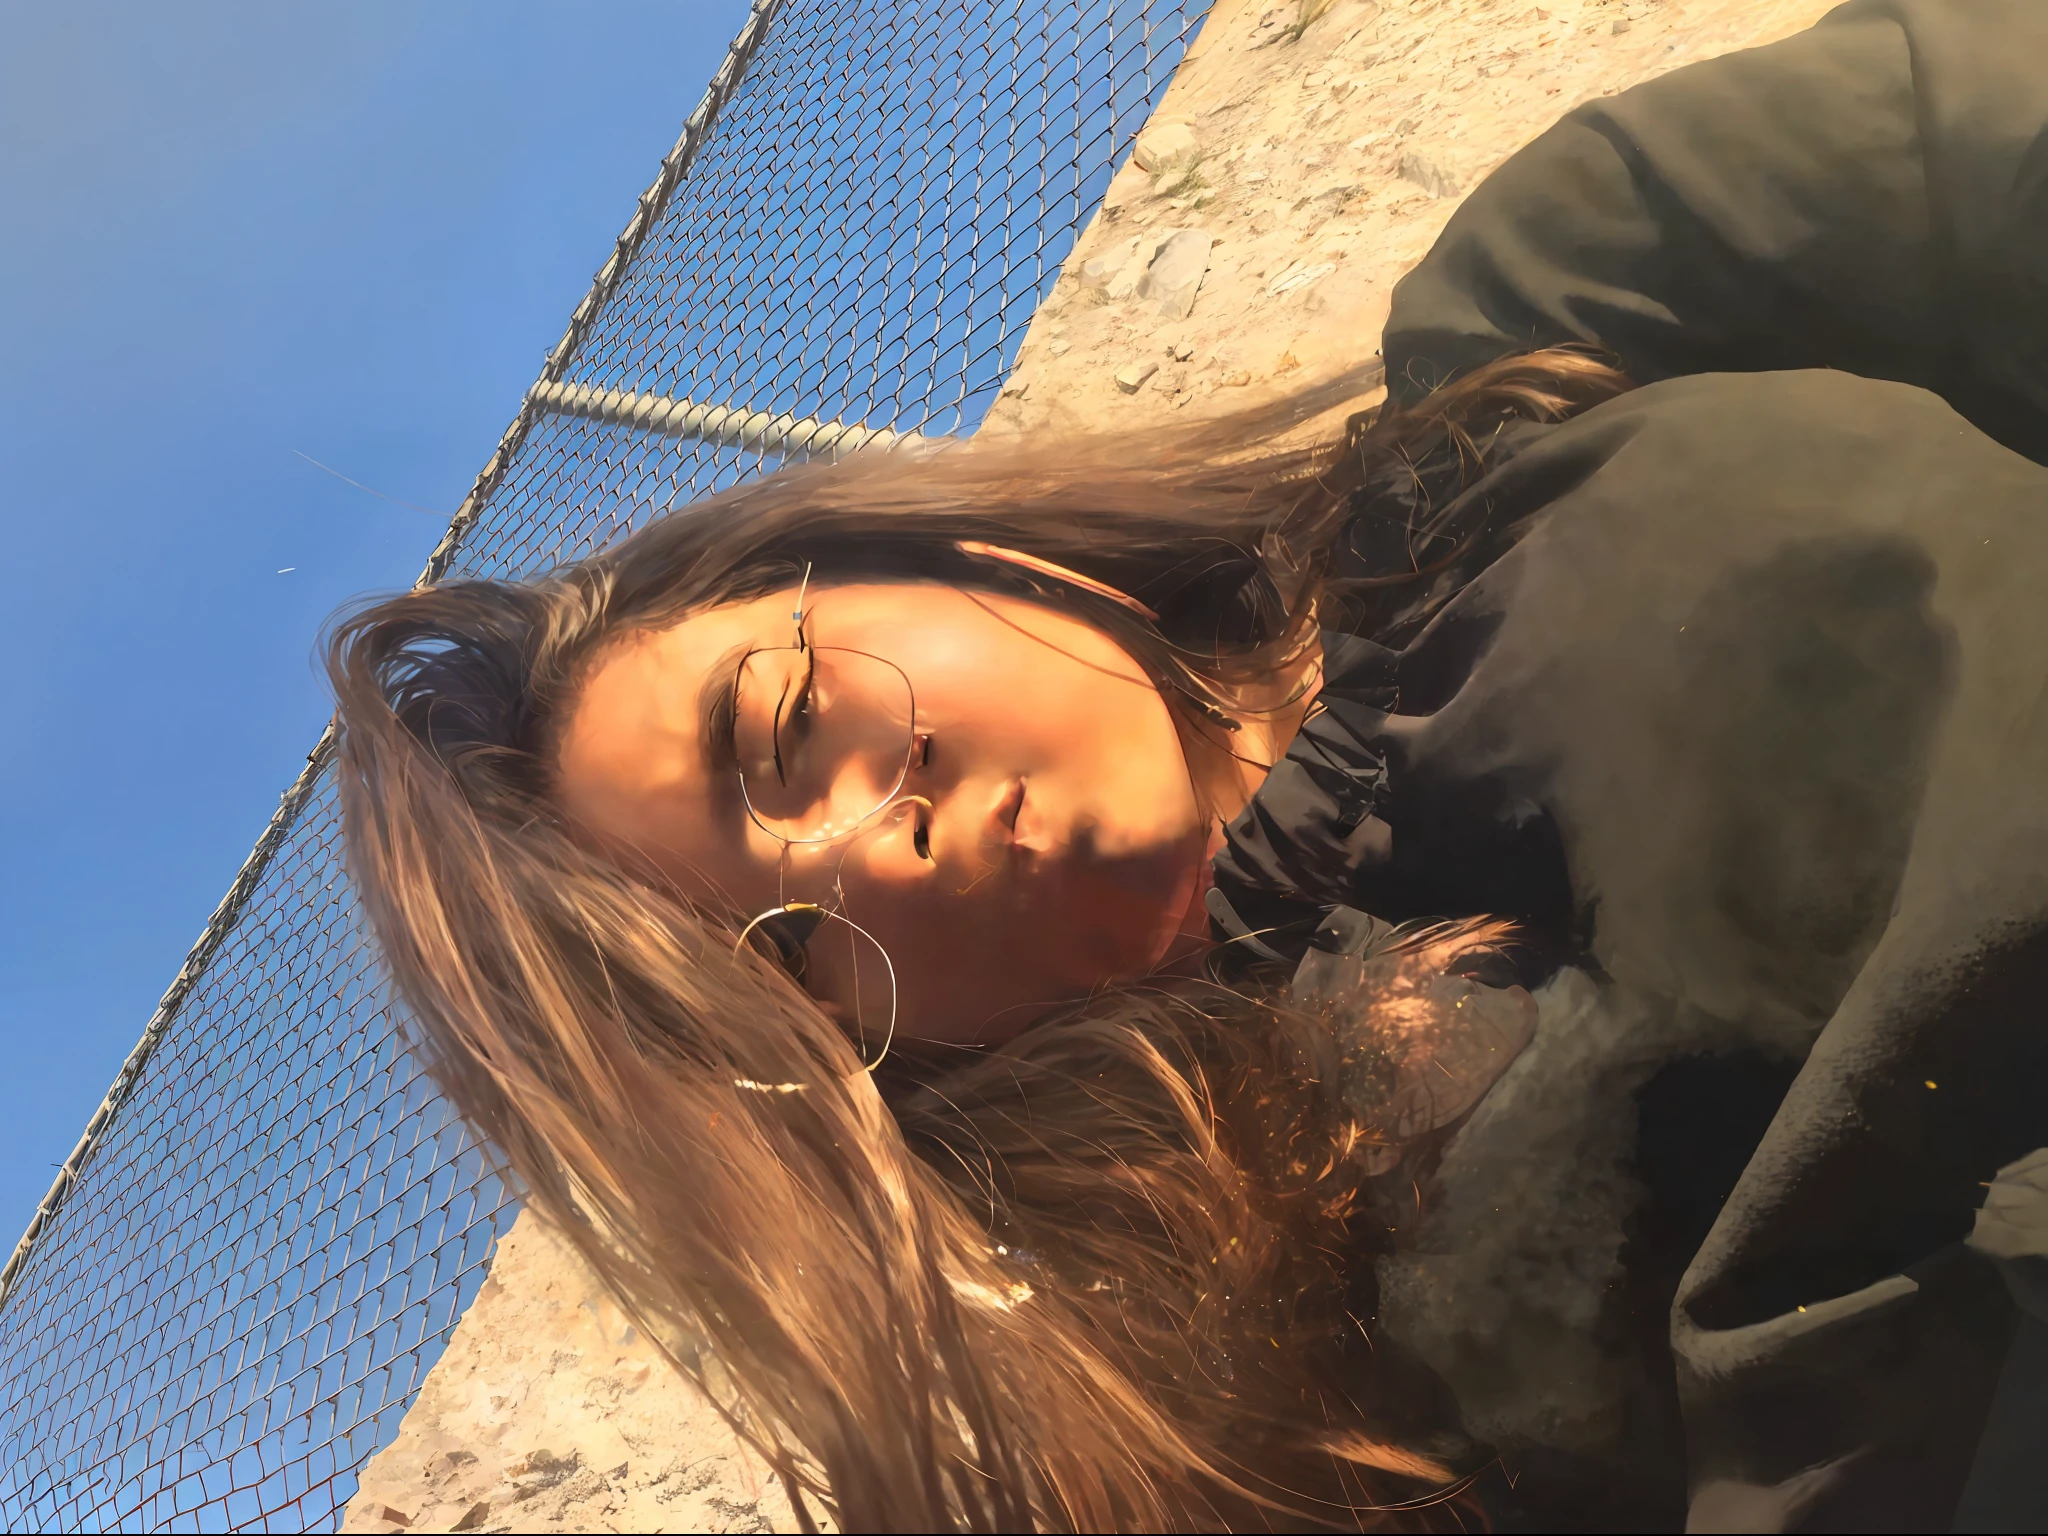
550	1412
1305	157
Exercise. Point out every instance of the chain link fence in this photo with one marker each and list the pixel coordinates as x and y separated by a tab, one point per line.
258	1251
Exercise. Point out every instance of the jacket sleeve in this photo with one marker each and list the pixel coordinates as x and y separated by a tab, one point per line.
1870	195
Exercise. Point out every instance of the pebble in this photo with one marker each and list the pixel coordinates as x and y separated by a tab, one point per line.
1132	376
1300	277
1164	145
1102	271
1428	175
1176	272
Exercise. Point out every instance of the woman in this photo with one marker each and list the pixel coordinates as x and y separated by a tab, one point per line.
1111	1274
925	922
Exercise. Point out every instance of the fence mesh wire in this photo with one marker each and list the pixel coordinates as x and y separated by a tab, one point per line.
267	1250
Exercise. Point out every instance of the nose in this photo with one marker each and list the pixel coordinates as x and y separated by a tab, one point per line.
1008	808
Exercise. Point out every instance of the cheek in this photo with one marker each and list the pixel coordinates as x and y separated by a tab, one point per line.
1124	774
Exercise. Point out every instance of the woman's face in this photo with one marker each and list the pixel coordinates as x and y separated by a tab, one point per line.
994	791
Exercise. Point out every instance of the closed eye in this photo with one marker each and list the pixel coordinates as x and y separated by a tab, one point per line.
794	713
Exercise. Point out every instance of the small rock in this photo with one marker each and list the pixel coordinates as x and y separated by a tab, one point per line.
1017	389
1406	126
1300	277
1132	376
1164	145
1102	269
540	1470
389	1516
1128	278
545	1462
1621	26
1176	272
1428	175
474	1516
1060	348
1182	352
1236	378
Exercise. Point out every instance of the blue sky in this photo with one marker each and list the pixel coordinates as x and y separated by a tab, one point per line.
227	232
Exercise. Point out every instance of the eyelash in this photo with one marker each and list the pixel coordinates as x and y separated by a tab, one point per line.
798	708
803	693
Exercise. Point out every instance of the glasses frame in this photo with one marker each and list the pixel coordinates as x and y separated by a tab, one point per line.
804	647
810	915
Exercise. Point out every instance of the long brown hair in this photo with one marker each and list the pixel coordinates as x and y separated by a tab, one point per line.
1107	1277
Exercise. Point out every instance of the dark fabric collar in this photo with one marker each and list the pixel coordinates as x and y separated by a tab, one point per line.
1300	847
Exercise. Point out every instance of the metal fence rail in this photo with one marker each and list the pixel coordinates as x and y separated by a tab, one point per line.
260	1246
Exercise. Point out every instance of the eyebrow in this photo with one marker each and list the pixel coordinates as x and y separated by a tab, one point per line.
719	709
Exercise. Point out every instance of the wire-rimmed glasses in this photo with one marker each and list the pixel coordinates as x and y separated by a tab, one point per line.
826	738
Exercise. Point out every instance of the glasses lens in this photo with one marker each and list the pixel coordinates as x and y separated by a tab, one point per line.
824	739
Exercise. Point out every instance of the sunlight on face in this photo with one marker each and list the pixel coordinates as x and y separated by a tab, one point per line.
1040	836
